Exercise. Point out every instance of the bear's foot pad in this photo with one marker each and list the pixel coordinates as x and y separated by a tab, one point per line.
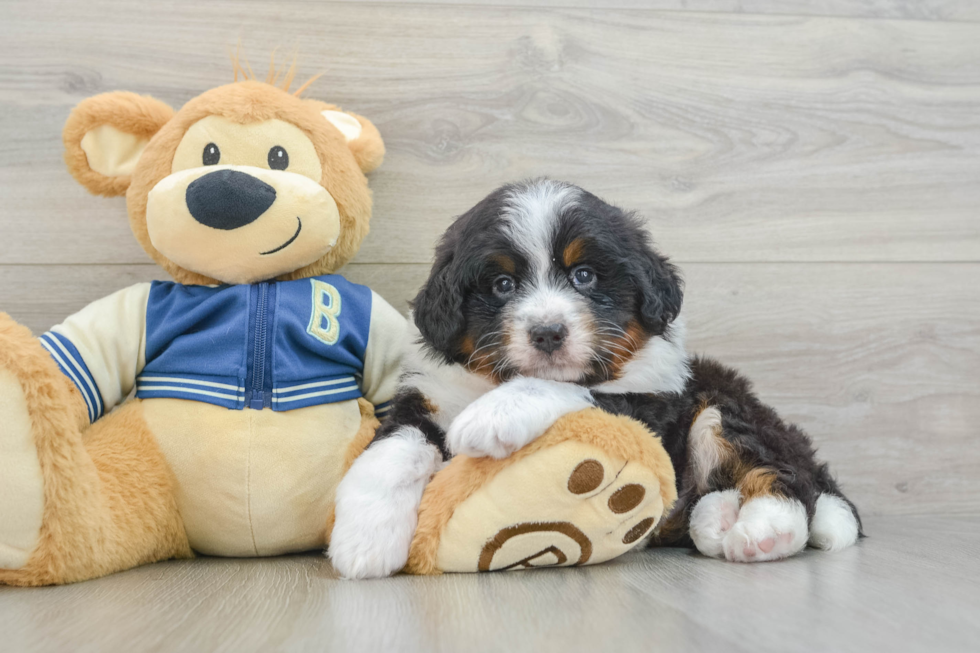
570	503
606	507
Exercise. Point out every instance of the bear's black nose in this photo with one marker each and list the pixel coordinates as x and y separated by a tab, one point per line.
228	199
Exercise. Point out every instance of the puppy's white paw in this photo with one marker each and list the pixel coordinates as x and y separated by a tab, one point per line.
512	415
377	505
834	526
712	518
481	430
375	549
768	528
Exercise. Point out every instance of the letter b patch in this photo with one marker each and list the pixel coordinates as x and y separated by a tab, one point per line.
324	322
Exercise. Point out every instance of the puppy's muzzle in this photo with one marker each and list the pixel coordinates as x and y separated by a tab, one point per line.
228	199
549	337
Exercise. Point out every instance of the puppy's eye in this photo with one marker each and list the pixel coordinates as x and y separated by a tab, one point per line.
278	158
503	286
211	155
583	277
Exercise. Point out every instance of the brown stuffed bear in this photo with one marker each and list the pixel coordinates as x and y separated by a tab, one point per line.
257	372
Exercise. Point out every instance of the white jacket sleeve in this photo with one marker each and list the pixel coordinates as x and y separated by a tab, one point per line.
383	356
103	347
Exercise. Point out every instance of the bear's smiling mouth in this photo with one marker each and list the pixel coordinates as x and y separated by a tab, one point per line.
299	228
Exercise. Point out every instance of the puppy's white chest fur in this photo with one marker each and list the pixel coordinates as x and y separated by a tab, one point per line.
449	388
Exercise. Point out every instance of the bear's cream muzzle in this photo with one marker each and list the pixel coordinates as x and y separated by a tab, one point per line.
241	224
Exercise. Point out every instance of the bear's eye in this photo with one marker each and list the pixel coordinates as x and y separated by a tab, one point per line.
211	154
278	158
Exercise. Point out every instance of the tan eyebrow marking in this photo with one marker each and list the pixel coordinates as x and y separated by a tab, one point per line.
505	262
573	252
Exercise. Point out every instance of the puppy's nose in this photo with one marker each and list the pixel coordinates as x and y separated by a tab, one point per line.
549	337
228	199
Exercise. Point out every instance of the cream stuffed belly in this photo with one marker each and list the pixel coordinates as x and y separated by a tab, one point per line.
254	482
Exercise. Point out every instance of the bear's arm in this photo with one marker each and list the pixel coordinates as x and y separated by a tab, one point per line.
383	355
102	347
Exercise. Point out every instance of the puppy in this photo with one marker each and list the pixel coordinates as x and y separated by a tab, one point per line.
545	300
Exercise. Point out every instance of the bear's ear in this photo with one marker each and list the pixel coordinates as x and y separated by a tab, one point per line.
362	137
105	136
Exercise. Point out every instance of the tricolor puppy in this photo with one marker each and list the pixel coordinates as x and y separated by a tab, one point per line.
545	300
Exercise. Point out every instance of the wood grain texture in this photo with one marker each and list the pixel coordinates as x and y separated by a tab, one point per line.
944	10
739	137
852	352
910	586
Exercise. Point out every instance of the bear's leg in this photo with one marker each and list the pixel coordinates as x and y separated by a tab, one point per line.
75	503
588	490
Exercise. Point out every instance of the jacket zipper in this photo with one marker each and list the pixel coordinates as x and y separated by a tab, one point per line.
260	347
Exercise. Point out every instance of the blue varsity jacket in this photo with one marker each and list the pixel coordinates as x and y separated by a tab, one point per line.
278	345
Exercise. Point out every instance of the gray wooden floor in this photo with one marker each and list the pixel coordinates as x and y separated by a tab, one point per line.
913	585
813	166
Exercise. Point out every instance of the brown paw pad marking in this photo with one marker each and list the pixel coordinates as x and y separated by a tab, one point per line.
638	531
626	498
586	477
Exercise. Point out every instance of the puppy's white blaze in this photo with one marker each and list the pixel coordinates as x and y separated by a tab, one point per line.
706	450
713	516
833	527
767	522
543	305
449	388
530	215
546	304
662	365
377	505
512	415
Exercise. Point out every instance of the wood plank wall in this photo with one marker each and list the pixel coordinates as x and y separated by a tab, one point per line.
814	168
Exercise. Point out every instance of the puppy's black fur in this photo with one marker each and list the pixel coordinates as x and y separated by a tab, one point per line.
761	439
633	297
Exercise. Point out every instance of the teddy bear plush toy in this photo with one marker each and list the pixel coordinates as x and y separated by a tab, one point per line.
257	373
217	413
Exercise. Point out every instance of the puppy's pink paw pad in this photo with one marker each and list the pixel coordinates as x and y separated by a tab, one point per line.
729	515
768	528
711	520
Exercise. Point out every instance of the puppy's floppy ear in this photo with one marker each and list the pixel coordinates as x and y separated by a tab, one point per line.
105	136
438	308
660	288
361	135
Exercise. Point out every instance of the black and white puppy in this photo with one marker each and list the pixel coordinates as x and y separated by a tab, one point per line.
545	300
